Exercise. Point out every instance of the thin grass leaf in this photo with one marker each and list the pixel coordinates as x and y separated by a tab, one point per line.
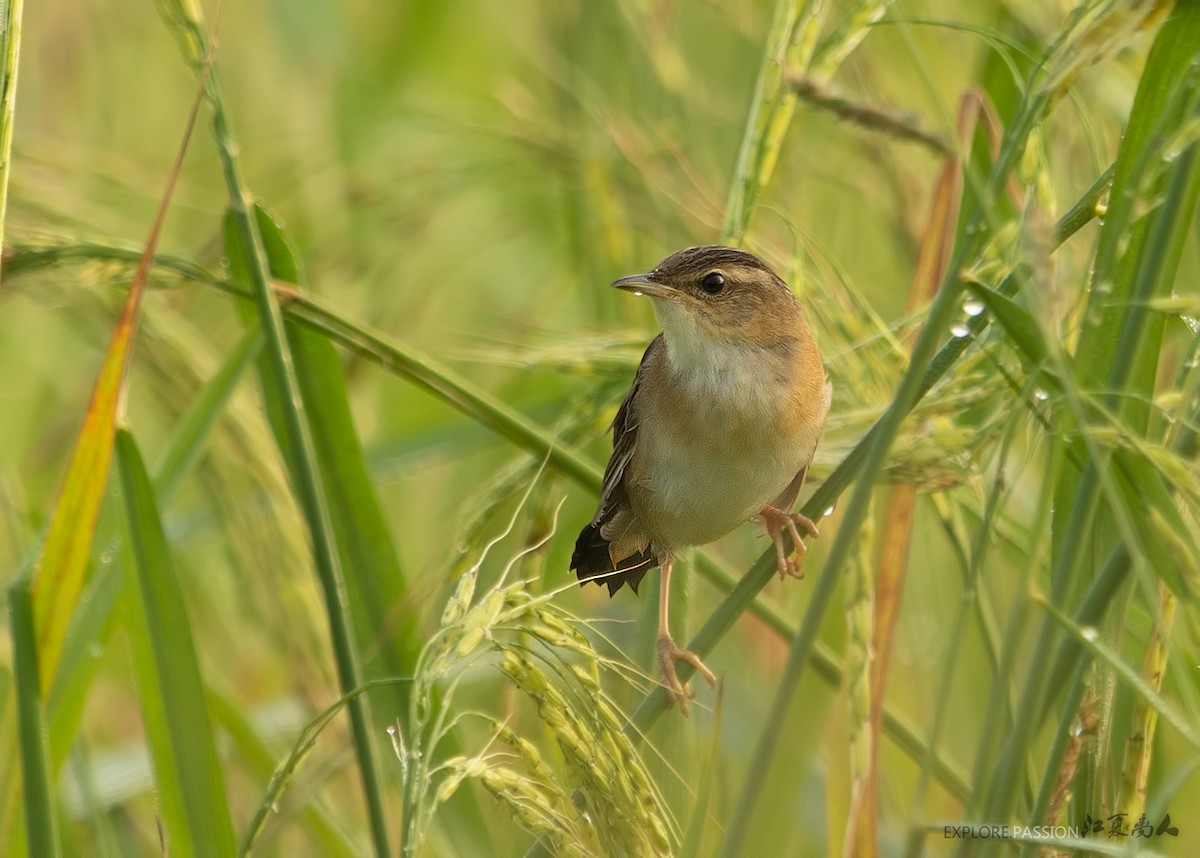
1136	259
92	624
1139	745
998	715
401	359
299	450
41	823
286	770
937	237
861	833
59	572
828	666
1114	349
1163	535
702	805
255	755
785	24
91	627
11	14
793	47
188	776
185	23
1089	637
1017	322
191	433
375	582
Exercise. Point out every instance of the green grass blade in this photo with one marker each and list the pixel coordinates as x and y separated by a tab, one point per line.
91	627
92	623
767	88
1150	123
1090	639
188	775
1114	348
10	51
374	580
192	432
41	825
256	756
60	569
185	23
248	254
383	620
1016	321
287	768
401	359
1111	574
701	805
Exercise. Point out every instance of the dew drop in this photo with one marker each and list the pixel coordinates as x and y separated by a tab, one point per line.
960	330
639	294
1040	395
1090	634
1104	287
829	510
972	306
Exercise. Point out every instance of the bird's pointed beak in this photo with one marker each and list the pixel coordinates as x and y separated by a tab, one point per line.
643	284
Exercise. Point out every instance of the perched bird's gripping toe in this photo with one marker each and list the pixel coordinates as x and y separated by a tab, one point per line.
777	521
668	654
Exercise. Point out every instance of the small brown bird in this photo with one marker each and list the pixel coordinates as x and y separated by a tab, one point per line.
719	427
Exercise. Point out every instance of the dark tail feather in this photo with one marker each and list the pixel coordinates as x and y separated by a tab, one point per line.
592	562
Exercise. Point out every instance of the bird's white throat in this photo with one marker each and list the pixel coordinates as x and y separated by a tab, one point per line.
718	375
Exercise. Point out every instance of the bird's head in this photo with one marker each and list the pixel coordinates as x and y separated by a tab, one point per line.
719	294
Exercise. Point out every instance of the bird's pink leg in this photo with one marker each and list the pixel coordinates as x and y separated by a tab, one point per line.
777	521
669	653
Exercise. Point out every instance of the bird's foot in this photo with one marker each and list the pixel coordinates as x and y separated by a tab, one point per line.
668	654
778	521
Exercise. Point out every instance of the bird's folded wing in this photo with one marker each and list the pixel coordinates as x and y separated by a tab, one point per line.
613	494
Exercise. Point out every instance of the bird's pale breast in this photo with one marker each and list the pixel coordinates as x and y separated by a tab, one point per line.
716	444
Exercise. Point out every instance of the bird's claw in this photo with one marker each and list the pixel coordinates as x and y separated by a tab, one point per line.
777	521
668	654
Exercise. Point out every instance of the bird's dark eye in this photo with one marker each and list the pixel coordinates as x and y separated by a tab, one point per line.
713	282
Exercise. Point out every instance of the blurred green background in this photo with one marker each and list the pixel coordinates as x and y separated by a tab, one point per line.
467	177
